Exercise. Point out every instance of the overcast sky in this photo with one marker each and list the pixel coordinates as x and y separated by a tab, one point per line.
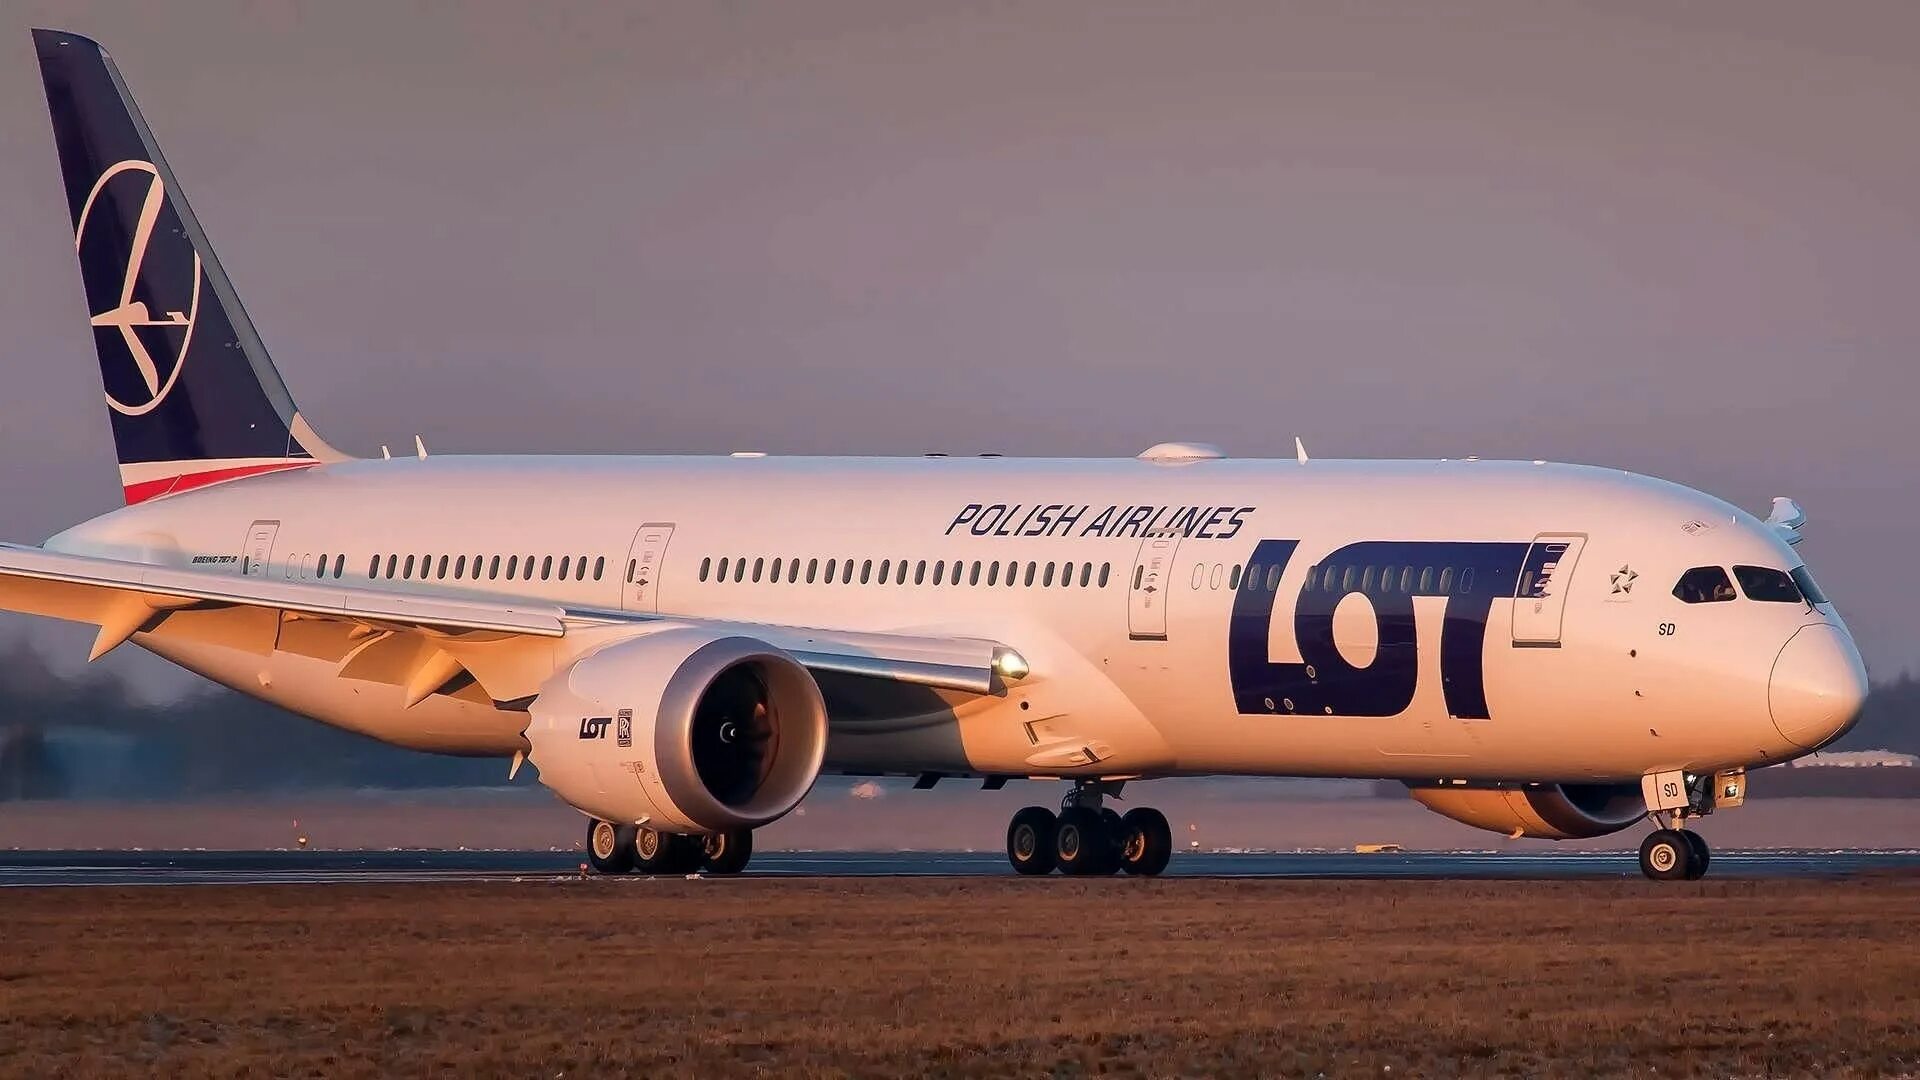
1682	239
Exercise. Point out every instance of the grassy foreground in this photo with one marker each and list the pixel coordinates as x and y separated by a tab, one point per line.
965	977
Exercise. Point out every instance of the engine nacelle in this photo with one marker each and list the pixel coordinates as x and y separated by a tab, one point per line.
1541	811
683	730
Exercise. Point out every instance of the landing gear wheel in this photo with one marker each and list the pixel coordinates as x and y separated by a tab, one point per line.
1082	844
656	852
1701	856
1667	855
609	847
1147	842
1030	841
727	852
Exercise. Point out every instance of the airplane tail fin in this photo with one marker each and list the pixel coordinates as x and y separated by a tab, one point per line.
192	394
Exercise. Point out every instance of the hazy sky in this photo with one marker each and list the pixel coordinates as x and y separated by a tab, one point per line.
1677	238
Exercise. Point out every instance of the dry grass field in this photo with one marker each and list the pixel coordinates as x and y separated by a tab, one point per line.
965	977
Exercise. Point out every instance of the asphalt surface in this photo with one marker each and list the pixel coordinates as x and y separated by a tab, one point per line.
81	868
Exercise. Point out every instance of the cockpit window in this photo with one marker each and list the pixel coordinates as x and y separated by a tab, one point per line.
1801	578
1768	585
1705	585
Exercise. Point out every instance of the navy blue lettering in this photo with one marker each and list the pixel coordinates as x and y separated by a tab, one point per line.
971	511
1323	682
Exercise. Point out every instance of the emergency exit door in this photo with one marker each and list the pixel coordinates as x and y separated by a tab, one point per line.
644	560
1147	588
1540	596
257	553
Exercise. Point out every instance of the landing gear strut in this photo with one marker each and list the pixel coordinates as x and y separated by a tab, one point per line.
1086	838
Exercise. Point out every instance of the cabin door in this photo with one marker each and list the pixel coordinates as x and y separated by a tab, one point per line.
644	560
1147	588
1540	596
258	551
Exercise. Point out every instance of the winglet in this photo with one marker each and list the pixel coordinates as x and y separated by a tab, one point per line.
1299	450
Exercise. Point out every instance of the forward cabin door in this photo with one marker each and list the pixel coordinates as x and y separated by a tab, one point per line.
257	553
644	560
1147	588
1540	596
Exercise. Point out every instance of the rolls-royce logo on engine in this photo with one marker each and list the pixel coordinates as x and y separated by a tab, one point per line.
156	342
623	727
594	727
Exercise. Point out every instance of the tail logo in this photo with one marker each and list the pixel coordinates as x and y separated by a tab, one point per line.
156	342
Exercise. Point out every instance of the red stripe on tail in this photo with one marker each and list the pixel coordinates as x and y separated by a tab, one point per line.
173	485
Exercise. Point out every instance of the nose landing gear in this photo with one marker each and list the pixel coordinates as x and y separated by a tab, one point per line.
1674	852
1674	855
1087	839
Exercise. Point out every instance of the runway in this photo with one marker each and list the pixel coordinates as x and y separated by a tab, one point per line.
24	869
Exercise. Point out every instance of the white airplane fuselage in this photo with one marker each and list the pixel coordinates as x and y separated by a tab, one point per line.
1607	677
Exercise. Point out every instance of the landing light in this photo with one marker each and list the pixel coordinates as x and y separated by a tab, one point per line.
1009	664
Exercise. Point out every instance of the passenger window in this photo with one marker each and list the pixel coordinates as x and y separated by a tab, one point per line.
599	566
1800	577
1273	577
846	572
1704	585
526	568
1446	581
580	568
1366	580
1199	574
323	567
1466	581
832	565
1347	578
940	571
920	572
1253	576
1066	574
1233	578
1031	567
373	568
775	576
339	565
993	573
408	572
885	565
900	573
1306	583
546	568
1139	573
1086	574
1105	569
813	570
1426	579
493	568
793	571
866	571
706	566
460	567
1046	579
441	573
973	576
1767	585
1213	581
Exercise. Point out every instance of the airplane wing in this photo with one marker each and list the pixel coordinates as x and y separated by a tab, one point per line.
423	642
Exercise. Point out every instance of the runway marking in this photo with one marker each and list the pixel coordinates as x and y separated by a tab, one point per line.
27	869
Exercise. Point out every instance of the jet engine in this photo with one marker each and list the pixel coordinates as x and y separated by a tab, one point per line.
1541	811
683	730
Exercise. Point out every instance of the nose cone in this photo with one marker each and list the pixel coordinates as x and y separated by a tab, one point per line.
1818	686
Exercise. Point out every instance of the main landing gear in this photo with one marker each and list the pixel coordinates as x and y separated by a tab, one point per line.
1086	838
626	849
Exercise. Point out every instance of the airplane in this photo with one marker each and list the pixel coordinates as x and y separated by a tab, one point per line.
682	645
